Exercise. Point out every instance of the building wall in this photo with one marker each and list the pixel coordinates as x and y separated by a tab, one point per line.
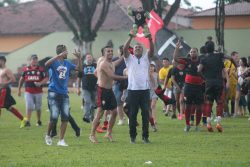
9	43
235	39
231	22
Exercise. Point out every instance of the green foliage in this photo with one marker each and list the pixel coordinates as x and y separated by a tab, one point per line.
8	2
170	146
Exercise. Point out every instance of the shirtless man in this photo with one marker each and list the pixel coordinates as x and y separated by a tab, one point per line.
105	95
6	100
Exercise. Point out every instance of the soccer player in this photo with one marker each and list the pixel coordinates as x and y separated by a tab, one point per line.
34	77
105	95
193	94
6	100
58	99
212	67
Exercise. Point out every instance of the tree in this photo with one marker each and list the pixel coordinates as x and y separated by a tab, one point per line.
159	7
78	15
219	23
8	2
220	20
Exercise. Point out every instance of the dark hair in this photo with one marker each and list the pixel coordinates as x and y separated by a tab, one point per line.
60	49
209	47
105	47
244	61
165	58
3	58
203	50
234	53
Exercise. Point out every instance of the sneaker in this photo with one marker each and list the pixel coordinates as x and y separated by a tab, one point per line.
99	130
62	143
86	120
132	140
23	122
120	122
48	140
78	132
173	116
39	123
209	128
145	140
109	137
187	128
93	139
27	124
219	128
154	128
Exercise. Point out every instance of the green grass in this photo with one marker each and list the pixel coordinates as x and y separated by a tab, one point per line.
170	145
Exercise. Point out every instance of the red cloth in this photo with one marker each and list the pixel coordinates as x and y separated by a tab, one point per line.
154	23
197	80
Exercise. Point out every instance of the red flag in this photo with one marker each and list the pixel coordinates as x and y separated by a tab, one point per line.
154	23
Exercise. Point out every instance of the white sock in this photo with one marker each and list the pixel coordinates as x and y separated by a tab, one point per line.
218	119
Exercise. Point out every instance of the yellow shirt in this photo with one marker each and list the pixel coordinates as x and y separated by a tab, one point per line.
163	73
232	71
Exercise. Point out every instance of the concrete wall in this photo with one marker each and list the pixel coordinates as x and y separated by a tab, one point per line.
231	22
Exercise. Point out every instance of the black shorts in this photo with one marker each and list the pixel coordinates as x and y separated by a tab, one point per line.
193	94
106	99
6	100
214	92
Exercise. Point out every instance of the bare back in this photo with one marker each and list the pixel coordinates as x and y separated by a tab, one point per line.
104	80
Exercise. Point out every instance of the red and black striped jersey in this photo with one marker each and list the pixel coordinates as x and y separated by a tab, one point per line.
33	74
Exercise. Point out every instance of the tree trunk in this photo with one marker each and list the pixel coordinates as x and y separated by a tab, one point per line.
171	12
85	47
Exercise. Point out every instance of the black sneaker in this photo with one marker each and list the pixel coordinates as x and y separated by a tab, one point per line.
39	123
132	140
145	140
78	132
27	124
86	120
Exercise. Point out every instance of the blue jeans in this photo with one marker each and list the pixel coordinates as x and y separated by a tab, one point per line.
58	104
89	97
118	94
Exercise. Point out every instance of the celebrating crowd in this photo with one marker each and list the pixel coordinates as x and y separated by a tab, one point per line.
132	81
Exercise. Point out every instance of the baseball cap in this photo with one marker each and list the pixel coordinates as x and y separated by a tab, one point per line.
152	63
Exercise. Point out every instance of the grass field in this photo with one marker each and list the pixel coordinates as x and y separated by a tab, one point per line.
170	145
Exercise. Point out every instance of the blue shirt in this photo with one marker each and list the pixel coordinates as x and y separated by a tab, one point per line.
59	72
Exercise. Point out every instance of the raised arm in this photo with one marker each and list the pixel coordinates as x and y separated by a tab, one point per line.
50	61
151	47
126	47
77	54
177	51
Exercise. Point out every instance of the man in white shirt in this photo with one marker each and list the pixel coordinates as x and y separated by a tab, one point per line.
138	86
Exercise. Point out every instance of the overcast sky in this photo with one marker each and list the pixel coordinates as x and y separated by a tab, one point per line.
204	4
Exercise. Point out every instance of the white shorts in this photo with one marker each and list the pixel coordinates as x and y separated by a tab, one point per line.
33	101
